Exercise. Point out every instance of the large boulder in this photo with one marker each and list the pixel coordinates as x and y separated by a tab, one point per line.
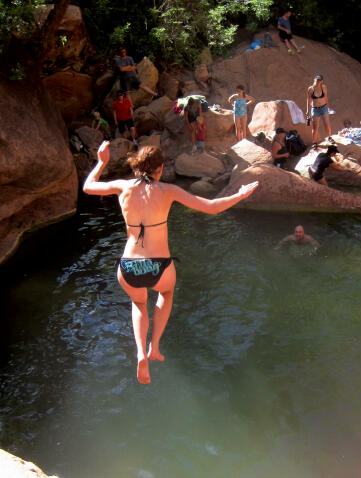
271	74
148	118
283	190
13	467
245	153
198	165
38	178
91	138
270	115
72	93
204	189
73	46
168	85
103	84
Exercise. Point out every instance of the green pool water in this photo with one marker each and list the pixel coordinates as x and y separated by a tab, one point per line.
262	372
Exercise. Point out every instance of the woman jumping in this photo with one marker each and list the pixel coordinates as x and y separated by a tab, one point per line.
146	261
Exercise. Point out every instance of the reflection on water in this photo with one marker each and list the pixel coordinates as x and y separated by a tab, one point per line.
262	353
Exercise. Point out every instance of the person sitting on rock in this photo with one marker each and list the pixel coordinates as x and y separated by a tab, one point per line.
123	116
100	124
284	28
279	149
191	112
322	162
240	100
317	103
201	132
298	237
127	73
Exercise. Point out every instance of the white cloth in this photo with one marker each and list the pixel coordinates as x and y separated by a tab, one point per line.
295	112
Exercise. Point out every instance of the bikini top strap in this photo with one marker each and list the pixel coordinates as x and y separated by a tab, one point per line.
144	177
142	229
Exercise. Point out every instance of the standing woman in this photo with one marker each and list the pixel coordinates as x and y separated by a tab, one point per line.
146	261
191	113
240	101
317	104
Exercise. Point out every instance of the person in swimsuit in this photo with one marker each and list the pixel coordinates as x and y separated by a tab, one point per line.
322	162
317	105
279	150
191	113
298	237
240	101
146	261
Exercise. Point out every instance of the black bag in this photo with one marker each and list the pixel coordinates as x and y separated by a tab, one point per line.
204	105
295	145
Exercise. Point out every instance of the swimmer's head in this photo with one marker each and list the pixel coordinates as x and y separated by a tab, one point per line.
147	161
299	233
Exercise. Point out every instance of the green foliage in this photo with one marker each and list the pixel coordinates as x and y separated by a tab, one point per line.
16	18
119	34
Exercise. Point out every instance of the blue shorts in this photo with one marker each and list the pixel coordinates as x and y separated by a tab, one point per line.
317	112
200	144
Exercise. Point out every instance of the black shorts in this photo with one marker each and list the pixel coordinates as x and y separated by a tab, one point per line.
123	125
285	36
128	84
315	175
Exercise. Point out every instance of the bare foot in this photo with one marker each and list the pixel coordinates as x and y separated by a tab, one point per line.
143	375
155	354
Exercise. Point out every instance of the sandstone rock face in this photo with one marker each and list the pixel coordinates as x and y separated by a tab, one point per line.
152	140
271	74
270	115
76	47
198	165
246	153
37	174
91	139
72	93
282	190
13	467
201	74
147	118
168	85
103	84
117	166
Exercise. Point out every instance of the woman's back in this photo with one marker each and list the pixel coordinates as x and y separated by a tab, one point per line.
145	207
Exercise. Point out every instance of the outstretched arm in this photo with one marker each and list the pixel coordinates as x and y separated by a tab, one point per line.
284	241
211	206
92	184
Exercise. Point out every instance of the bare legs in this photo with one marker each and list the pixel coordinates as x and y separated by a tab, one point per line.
316	124
288	44
140	319
147	89
240	124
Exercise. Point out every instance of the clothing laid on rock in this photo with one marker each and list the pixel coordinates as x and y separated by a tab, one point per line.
128	79
296	113
322	162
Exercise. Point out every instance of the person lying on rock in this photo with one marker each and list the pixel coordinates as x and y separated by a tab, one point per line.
127	73
240	100
322	162
123	116
317	104
284	30
279	149
146	262
191	113
298	237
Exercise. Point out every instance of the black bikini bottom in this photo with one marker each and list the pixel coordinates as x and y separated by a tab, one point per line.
143	272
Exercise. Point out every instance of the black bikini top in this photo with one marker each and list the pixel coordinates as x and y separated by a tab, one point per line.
314	96
148	180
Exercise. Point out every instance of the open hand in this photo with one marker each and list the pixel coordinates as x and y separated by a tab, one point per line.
103	152
248	189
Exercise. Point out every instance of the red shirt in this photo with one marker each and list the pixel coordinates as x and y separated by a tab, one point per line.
123	109
201	132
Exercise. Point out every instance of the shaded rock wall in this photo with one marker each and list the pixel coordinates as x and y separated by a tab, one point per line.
38	179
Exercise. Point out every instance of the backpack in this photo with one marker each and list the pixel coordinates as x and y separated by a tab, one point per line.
294	143
204	105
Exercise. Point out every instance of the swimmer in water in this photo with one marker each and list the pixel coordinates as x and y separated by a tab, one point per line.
146	261
298	237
